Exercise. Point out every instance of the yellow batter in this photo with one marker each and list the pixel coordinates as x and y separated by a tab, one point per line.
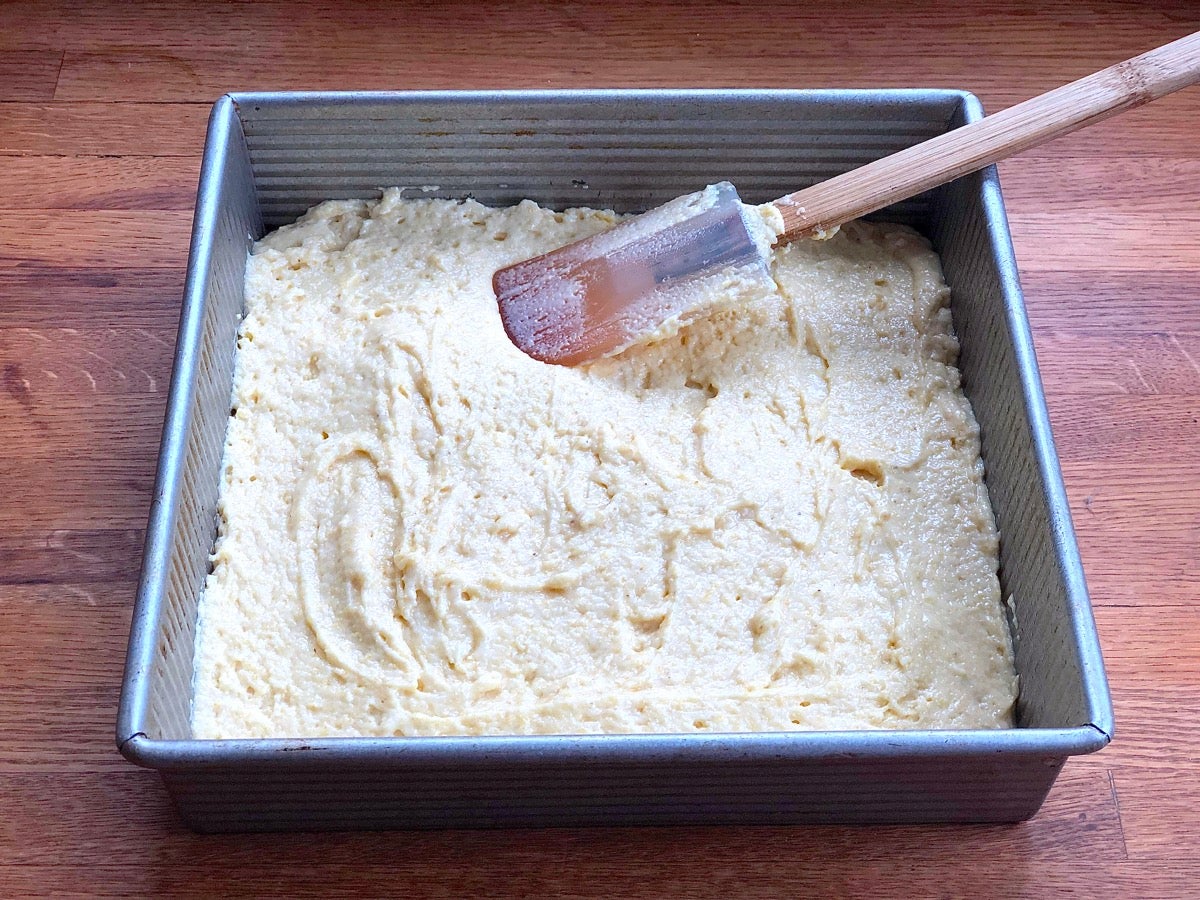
771	519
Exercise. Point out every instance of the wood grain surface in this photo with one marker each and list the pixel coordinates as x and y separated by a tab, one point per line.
102	111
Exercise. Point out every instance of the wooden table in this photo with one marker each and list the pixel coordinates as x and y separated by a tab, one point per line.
102	114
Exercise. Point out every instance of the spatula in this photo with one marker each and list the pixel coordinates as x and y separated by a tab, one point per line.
601	295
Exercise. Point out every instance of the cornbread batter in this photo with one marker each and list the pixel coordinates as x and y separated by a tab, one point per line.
771	519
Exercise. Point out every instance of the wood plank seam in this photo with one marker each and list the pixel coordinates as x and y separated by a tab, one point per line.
62	57
1112	784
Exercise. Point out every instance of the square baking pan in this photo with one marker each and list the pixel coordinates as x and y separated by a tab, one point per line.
270	156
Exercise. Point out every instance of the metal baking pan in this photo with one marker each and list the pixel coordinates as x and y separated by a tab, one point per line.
270	156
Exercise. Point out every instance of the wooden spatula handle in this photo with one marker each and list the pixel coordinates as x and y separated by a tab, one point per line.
947	156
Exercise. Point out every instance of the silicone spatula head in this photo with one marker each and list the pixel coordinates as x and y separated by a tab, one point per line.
598	296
